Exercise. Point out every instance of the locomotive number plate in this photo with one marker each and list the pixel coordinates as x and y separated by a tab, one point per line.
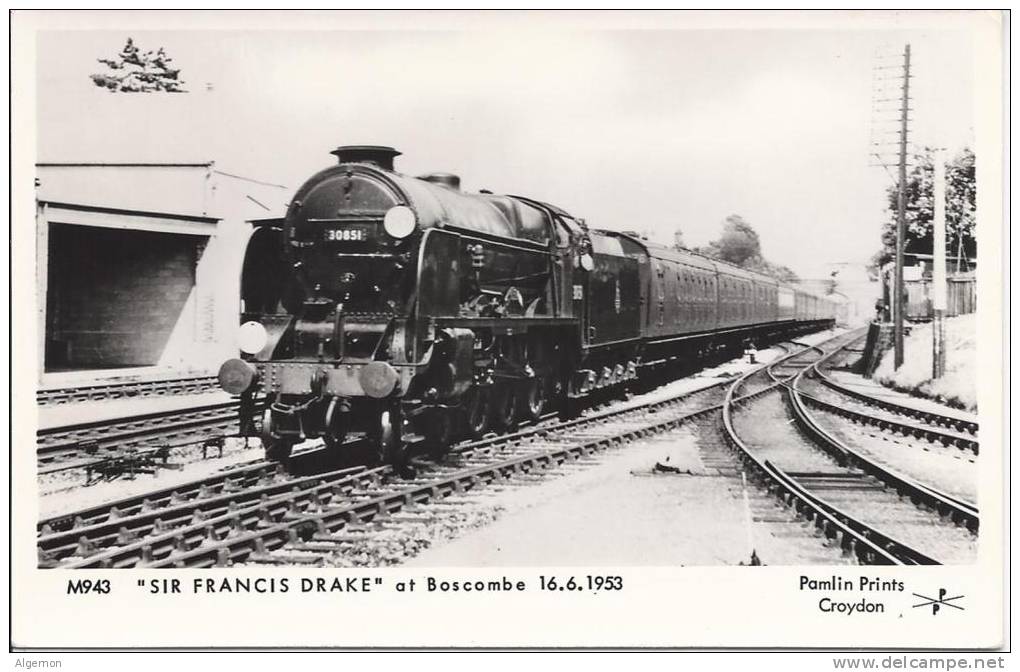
353	234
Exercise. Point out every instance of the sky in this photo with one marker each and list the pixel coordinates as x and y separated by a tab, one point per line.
647	130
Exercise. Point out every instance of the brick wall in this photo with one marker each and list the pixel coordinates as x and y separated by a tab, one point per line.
115	296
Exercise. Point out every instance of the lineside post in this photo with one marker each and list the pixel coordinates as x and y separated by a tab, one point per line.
939	289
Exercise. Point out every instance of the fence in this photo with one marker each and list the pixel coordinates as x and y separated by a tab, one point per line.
961	295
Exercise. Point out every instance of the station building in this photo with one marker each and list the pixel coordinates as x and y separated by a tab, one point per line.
139	265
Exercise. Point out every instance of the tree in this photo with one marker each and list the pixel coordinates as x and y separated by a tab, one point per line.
737	243
920	208
740	245
760	265
132	71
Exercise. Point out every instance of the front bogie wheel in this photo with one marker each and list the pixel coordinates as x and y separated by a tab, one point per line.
389	447
437	428
335	431
278	448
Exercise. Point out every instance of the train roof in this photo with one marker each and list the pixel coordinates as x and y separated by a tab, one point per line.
688	258
691	258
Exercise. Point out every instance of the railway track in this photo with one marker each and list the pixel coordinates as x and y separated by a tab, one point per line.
255	517
133	440
824	392
259	514
942	461
233	480
874	513
126	390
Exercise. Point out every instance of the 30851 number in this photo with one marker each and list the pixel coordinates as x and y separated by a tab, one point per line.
335	235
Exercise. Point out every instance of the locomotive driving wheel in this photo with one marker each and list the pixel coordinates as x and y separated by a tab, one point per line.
503	407
478	411
533	398
533	390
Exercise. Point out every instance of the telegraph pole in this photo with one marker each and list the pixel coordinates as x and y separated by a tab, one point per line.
898	307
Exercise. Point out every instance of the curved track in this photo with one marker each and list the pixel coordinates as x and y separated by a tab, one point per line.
859	407
874	513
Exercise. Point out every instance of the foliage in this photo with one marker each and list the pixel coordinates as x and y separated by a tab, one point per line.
766	267
133	71
737	243
740	245
920	208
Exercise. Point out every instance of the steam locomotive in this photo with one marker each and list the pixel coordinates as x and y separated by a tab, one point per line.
386	304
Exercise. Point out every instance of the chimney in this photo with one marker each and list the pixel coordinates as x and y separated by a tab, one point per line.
378	155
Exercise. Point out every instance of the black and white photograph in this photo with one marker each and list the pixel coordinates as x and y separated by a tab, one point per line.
466	315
